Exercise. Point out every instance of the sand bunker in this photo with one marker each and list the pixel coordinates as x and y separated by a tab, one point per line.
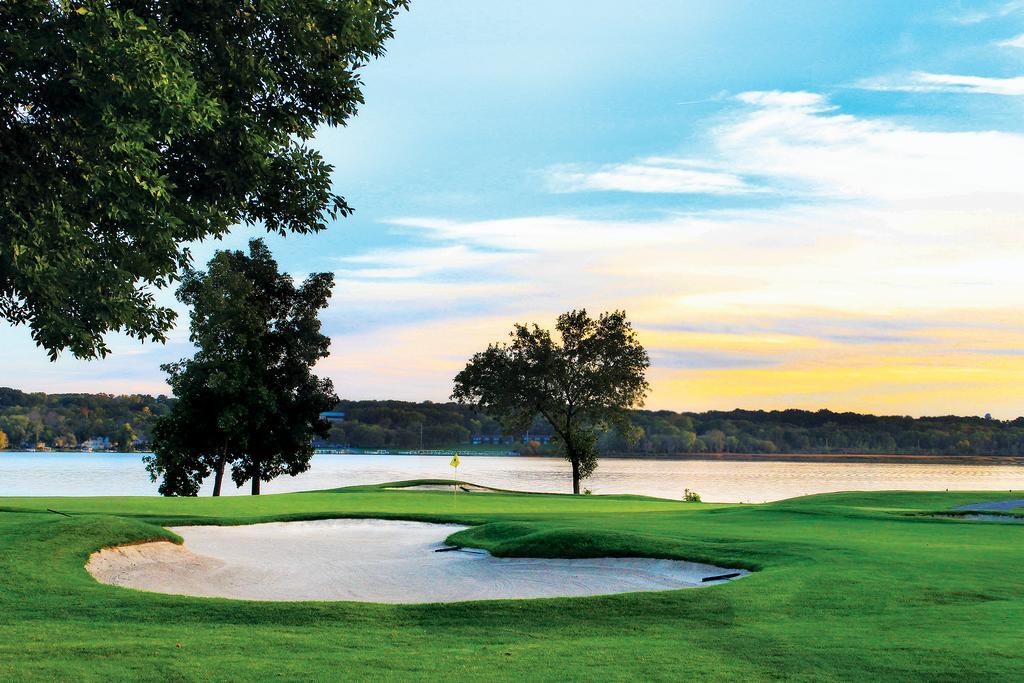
369	560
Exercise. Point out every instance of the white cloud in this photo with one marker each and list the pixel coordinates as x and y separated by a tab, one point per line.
845	260
803	145
564	235
420	262
1016	41
799	144
705	285
922	81
649	175
778	99
932	208
979	15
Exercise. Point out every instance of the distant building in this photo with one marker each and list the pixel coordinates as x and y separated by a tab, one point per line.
333	416
96	443
507	439
485	439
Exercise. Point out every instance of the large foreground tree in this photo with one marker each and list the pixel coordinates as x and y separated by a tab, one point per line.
248	398
129	128
582	381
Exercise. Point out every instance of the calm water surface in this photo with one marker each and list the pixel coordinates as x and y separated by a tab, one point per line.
123	474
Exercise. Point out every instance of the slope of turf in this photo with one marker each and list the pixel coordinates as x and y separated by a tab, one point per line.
853	586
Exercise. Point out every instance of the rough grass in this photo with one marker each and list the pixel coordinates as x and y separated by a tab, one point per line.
854	586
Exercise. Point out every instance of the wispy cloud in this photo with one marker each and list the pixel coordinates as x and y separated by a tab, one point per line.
977	15
1015	42
778	99
799	144
923	82
652	175
446	260
709	360
799	141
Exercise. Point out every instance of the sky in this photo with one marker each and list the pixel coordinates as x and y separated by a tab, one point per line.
798	204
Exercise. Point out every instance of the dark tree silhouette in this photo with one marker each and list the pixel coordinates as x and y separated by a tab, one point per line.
582	381
248	397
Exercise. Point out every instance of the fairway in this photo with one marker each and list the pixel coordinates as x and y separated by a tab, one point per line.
852	586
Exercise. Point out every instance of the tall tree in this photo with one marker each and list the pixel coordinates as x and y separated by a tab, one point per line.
194	439
582	381
248	397
129	128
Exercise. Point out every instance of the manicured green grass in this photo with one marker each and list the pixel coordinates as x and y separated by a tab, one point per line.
854	586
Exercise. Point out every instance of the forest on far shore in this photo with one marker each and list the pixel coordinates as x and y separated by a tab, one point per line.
71	421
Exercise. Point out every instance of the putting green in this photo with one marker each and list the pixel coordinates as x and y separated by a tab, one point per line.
852	586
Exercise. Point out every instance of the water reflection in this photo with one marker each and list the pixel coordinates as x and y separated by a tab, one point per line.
103	474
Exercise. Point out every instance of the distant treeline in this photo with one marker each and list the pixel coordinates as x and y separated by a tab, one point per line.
822	431
397	424
407	425
69	420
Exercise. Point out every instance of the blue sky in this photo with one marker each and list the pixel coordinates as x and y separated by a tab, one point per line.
799	203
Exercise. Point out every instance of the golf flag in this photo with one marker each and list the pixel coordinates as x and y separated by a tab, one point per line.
455	487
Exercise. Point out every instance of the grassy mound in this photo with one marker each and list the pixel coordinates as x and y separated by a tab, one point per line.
854	586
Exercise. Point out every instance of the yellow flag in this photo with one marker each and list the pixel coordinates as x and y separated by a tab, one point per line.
455	460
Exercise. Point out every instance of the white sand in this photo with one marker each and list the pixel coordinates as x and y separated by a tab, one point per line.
369	560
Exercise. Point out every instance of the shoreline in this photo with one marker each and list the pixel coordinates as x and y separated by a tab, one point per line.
886	459
837	458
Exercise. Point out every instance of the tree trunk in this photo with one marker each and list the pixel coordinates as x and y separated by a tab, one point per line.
575	477
218	477
256	480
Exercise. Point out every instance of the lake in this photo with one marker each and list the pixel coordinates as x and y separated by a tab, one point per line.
123	474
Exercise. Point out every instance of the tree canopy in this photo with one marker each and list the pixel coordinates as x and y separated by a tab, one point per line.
582	381
130	128
248	396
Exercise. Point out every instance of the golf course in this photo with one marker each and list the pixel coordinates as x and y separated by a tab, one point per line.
849	586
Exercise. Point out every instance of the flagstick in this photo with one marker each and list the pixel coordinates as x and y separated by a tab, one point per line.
455	487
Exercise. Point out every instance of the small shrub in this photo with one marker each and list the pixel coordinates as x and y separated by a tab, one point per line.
691	496
587	492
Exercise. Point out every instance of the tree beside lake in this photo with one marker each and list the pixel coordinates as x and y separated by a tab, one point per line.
248	398
130	129
582	380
